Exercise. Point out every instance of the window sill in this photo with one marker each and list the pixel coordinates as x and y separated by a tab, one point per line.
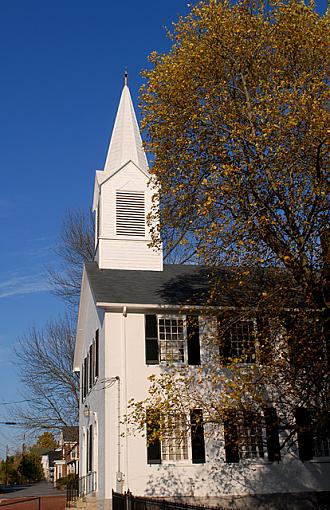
258	461
177	463
320	460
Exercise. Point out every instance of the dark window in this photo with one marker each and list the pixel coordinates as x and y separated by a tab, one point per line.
87	450
306	340
237	339
82	383
264	340
246	435
151	340
272	427
321	434
194	357
313	431
88	382
231	437
91	367
304	433
90	456
85	377
153	441
97	353
197	437
251	434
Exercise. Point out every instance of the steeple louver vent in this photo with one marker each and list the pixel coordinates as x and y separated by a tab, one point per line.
130	213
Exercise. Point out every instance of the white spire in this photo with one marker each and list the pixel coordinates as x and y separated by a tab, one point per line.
125	143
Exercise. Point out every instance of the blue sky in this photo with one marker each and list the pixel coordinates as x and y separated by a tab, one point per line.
61	65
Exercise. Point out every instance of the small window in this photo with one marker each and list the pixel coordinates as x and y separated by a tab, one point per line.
130	213
171	340
82	382
167	437
306	331
97	363
252	436
91	366
313	430
85	378
237	340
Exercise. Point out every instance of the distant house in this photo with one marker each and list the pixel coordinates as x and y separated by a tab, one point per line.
45	465
55	465
70	449
64	460
130	326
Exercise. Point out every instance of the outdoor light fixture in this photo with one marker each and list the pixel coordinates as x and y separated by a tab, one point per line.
87	411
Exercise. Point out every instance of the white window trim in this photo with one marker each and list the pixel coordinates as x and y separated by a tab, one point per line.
185	343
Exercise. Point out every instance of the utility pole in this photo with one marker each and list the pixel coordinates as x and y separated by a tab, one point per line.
23	460
7	455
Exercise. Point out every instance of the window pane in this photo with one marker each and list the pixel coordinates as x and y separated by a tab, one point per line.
252	437
172	340
175	441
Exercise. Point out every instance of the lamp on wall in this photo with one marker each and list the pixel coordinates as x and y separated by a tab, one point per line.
87	411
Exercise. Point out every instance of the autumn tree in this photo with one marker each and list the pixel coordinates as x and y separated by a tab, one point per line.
47	440
236	119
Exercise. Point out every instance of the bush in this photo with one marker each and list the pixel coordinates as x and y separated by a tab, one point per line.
63	482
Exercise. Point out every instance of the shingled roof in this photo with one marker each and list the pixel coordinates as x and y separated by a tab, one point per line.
180	284
176	284
70	434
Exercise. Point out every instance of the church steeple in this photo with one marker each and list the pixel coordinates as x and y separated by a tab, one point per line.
125	143
123	198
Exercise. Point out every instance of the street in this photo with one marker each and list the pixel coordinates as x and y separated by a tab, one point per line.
39	496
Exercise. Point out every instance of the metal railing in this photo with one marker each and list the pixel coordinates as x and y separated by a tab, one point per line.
129	502
80	487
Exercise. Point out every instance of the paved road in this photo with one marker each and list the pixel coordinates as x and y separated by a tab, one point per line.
39	496
36	489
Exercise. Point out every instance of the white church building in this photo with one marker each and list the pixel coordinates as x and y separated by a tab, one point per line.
130	324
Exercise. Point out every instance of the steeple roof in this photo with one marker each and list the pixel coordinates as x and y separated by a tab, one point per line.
125	143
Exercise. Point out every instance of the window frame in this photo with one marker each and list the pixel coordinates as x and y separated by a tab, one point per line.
223	346
171	441
191	339
310	433
185	339
245	448
235	430
156	446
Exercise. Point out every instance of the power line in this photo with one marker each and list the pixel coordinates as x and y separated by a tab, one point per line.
18	401
10	423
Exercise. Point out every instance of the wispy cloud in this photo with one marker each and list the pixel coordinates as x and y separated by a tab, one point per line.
39	252
26	284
